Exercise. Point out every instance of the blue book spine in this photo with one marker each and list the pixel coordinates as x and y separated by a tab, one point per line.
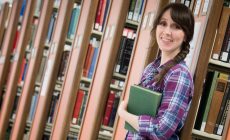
71	24
24	71
106	13
142	5
92	65
22	11
32	106
75	22
51	28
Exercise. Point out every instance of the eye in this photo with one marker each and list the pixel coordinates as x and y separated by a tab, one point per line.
162	23
176	26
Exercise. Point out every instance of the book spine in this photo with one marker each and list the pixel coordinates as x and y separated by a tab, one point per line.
215	105
109	106
131	9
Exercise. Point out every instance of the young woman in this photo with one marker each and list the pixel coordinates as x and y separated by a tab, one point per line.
168	74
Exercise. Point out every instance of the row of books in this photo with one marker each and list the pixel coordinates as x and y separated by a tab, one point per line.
214	103
101	14
135	10
64	62
125	51
221	49
72	25
79	107
111	108
91	58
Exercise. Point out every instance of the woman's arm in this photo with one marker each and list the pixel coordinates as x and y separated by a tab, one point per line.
130	118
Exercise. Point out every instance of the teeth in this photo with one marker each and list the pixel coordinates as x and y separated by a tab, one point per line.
165	39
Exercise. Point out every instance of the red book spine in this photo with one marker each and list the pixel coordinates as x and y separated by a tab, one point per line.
77	106
22	70
109	107
87	59
98	16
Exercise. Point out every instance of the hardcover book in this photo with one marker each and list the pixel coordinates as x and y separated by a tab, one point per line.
142	101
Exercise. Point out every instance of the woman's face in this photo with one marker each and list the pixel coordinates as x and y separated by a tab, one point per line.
169	35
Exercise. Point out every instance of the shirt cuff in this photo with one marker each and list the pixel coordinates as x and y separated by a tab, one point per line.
144	122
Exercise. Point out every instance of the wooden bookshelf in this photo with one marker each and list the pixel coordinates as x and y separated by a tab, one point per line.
3	19
53	62
202	65
73	75
104	70
11	89
28	87
97	88
7	43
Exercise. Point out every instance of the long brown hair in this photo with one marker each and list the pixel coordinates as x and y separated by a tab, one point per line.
183	16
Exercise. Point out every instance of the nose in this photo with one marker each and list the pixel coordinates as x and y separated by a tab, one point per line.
167	31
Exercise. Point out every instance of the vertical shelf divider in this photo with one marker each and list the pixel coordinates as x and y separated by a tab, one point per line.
100	85
74	70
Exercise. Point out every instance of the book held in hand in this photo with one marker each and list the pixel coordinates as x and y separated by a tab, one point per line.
142	101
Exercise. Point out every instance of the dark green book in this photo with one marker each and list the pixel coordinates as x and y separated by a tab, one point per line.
142	101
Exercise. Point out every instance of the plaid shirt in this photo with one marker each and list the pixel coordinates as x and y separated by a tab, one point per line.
177	90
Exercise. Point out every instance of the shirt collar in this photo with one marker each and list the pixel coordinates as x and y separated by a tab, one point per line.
160	67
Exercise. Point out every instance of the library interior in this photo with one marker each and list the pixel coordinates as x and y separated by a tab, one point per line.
66	65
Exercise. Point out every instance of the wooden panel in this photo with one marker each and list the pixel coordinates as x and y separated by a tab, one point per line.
104	70
202	63
51	72
34	63
3	18
8	43
75	66
14	74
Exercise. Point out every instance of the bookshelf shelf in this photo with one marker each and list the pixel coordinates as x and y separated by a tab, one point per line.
68	41
98	33
119	76
115	87
132	23
219	63
86	80
103	127
204	135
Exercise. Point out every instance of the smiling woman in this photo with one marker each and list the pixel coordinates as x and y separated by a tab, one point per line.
168	74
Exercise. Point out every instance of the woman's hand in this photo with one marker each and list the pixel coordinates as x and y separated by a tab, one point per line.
122	107
128	117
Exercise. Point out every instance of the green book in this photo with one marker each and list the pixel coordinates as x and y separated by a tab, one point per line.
142	101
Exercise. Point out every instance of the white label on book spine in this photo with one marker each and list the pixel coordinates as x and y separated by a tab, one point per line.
2	59
215	56
187	3
144	23
205	7
220	129
197	7
224	56
74	121
151	19
16	56
47	77
130	15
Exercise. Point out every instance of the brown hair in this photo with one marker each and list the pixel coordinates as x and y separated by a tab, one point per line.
183	16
